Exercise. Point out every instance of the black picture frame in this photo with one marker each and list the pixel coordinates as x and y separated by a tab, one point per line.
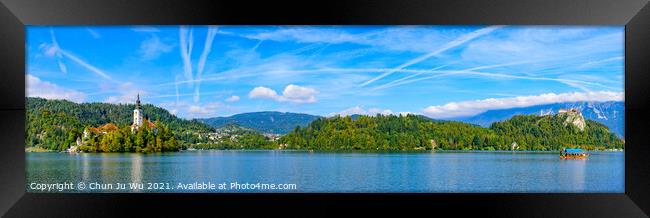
634	14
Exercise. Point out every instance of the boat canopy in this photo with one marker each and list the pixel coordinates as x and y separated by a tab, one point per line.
574	150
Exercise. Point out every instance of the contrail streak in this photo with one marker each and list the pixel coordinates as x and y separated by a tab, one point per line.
186	50
445	47
395	83
257	45
408	77
212	32
91	68
62	66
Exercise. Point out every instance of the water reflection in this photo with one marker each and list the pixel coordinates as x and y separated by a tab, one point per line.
110	168
85	159
136	167
577	174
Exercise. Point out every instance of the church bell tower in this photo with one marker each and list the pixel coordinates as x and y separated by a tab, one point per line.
137	114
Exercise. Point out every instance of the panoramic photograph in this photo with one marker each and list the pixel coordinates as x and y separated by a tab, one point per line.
325	109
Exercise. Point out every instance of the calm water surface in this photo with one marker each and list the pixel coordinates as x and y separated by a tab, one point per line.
340	172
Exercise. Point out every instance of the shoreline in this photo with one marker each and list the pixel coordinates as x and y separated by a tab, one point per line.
37	150
41	150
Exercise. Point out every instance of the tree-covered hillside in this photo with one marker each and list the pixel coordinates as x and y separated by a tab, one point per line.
54	124
553	132
413	132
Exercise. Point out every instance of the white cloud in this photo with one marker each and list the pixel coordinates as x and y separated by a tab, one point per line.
201	111
190	110
351	111
291	93
263	92
198	110
469	108
370	112
373	111
233	98
121	99
299	94
44	89
152	48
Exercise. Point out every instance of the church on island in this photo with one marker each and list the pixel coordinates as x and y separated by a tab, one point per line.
138	122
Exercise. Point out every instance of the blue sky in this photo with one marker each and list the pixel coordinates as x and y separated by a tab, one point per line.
438	71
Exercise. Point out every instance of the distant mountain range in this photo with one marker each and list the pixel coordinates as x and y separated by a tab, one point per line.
611	114
233	127
265	122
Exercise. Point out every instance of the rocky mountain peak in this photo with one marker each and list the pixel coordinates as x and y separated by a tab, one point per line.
574	117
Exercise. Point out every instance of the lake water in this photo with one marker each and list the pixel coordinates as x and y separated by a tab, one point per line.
329	171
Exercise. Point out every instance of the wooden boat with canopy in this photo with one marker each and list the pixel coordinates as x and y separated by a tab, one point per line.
573	153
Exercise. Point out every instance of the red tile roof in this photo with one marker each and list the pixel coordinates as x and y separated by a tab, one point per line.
109	127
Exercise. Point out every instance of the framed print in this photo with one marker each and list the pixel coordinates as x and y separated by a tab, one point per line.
535	108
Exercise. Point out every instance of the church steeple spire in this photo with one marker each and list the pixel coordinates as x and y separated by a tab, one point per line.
137	102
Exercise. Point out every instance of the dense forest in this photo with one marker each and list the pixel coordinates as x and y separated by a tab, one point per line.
414	132
55	124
